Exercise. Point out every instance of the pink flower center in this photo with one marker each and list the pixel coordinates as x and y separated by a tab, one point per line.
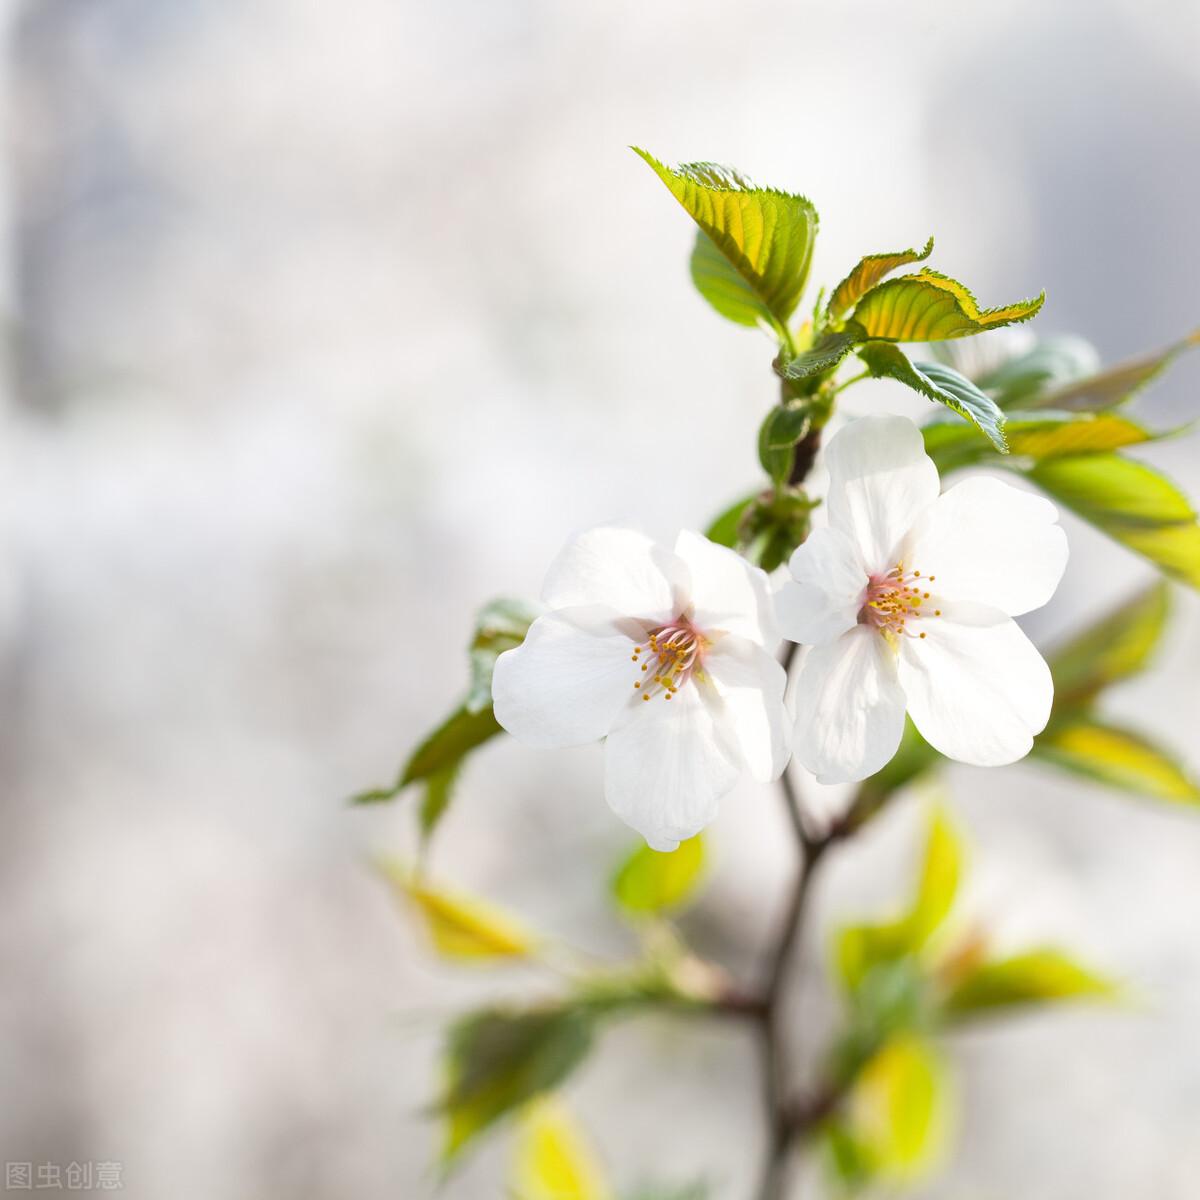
668	658
894	599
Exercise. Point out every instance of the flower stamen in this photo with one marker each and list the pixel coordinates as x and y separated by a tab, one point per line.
675	651
893	599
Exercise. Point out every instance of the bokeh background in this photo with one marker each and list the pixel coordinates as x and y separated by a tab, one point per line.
327	322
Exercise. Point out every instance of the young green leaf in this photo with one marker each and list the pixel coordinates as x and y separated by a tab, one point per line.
869	271
498	1059
1115	647
1117	757
940	383
765	235
726	528
501	625
939	880
726	288
439	790
929	307
898	1107
553	1160
783	427
1036	977
824	355
462	927
649	882
1130	502
1036	436
1107	389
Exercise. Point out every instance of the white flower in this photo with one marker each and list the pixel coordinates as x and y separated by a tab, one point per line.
667	655
907	599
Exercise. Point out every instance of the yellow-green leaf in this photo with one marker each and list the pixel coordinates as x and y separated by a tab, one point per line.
939	383
928	307
651	882
858	948
765	235
499	1059
1117	757
1132	503
939	879
1036	436
1115	647
823	355
868	273
1035	977
1119	383
460	926
553	1160
898	1107
1019	381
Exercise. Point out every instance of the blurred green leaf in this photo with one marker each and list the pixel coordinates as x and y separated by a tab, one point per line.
1035	977
498	1059
500	626
1113	648
553	1160
929	307
869	271
784	426
439	790
940	383
1051	363
912	760
765	235
1132	503
938	885
897	1108
860	948
1119	383
460	926
1117	757
774	525
725	529
851	1160
1036	435
650	882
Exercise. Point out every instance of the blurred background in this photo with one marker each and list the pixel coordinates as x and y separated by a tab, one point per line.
325	324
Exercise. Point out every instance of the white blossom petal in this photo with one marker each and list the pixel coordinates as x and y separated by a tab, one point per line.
727	592
880	480
745	695
562	686
977	688
666	769
849	707
829	588
990	542
616	568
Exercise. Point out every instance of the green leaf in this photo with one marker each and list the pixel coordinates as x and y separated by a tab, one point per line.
1036	977
1053	362
941	383
1114	386
939	880
649	882
784	426
725	287
1117	757
868	273
460	733
898	1107
774	525
1115	647
765	235
461	927
859	949
824	355
929	307
1034	435
500	626
725	529
1130	502
553	1160
439	790
498	1059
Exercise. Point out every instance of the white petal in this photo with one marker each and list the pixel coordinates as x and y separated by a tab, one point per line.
665	768
562	686
727	592
829	589
880	481
977	688
990	542
621	569
849	707
745	696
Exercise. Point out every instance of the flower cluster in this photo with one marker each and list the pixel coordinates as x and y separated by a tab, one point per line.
903	602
